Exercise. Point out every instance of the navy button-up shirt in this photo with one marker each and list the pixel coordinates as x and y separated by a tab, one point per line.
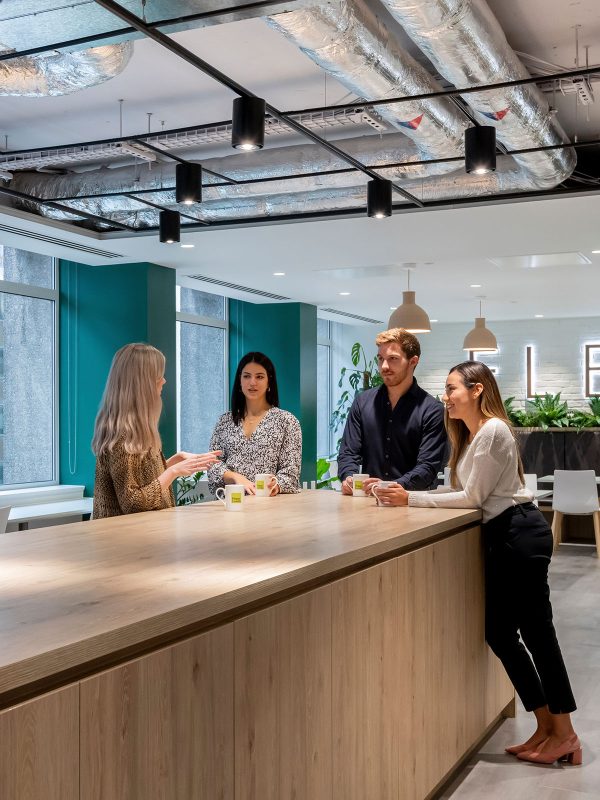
406	443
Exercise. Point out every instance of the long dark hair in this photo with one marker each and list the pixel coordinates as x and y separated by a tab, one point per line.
238	401
490	404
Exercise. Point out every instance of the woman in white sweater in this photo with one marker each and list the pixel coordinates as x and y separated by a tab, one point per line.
486	473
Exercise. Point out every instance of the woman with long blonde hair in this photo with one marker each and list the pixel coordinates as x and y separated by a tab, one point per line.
486	473
132	473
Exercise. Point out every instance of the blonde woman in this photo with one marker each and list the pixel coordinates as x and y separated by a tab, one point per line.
131	471
486	473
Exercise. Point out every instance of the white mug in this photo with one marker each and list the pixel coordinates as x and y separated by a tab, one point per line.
262	481
233	496
380	485
358	484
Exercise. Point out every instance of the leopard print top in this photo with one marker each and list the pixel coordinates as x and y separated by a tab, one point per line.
275	447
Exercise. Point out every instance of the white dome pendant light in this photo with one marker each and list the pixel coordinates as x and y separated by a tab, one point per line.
409	315
480	338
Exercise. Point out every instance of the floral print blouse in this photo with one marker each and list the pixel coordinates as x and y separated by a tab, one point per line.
275	446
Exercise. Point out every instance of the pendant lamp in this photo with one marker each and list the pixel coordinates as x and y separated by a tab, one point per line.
480	149
169	223
480	338
409	315
248	123
188	183
379	198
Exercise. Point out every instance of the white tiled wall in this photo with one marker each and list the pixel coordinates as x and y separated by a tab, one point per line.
559	354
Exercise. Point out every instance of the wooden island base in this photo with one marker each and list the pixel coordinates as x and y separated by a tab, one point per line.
338	654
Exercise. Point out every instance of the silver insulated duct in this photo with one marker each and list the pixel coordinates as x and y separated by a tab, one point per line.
465	42
359	46
62	73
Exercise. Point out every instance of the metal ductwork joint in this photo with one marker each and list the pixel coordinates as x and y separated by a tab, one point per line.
359	46
51	74
464	41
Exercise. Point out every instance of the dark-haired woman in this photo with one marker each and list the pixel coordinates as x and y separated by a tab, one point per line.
486	473
257	436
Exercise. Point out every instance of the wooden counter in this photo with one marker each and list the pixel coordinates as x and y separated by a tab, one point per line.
313	646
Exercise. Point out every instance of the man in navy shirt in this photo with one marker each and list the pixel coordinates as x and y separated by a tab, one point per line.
395	432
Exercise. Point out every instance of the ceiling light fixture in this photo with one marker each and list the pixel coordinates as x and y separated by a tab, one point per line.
480	338
187	246
539	316
379	198
344	294
248	123
279	273
169	226
409	315
595	252
188	183
475	286
480	149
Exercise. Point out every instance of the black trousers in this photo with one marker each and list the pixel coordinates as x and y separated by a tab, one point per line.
518	548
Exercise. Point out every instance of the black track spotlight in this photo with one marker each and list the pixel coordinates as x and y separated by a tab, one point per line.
480	149
188	183
248	123
379	198
169	225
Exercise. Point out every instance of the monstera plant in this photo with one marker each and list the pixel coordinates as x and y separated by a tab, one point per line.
363	374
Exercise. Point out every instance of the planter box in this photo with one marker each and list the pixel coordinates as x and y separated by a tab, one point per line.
543	451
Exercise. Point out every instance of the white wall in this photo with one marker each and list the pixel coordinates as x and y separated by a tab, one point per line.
559	354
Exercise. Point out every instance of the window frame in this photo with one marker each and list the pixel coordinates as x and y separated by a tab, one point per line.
589	369
208	322
328	343
53	294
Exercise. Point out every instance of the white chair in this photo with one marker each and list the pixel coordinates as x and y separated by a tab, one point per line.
575	492
531	483
4	512
446	476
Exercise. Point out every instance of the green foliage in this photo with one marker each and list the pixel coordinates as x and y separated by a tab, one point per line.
322	470
365	375
587	419
542	411
184	490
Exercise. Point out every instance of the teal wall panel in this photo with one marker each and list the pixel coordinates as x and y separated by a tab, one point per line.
287	333
102	309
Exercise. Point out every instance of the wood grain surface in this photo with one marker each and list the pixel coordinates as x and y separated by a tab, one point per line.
78	592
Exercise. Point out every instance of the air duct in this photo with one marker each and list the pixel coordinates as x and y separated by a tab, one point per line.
62	73
358	43
465	42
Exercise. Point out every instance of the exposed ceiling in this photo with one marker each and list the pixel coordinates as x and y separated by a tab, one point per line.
448	249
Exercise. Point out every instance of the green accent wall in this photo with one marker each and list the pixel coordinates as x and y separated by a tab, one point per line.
102	309
287	333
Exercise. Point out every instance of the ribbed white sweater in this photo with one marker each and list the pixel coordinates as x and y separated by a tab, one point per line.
487	475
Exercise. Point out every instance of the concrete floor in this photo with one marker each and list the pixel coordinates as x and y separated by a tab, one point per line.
493	775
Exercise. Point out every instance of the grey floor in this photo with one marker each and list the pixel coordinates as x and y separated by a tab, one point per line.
493	775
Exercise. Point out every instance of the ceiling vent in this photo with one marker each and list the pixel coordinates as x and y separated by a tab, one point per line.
352	316
237	288
41	237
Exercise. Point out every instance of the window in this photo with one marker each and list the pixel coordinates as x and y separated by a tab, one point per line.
324	444
28	402
202	385
592	370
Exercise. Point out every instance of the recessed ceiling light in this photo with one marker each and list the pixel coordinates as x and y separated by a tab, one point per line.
433	320
279	273
393	308
595	252
539	316
475	286
188	246
344	294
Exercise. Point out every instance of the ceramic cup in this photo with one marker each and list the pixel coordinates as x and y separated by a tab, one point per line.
232	496
380	485
263	484
358	484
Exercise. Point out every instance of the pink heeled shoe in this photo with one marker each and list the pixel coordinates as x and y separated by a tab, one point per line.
570	751
515	749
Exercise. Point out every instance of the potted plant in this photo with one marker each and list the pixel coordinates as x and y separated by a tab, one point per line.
186	490
364	374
